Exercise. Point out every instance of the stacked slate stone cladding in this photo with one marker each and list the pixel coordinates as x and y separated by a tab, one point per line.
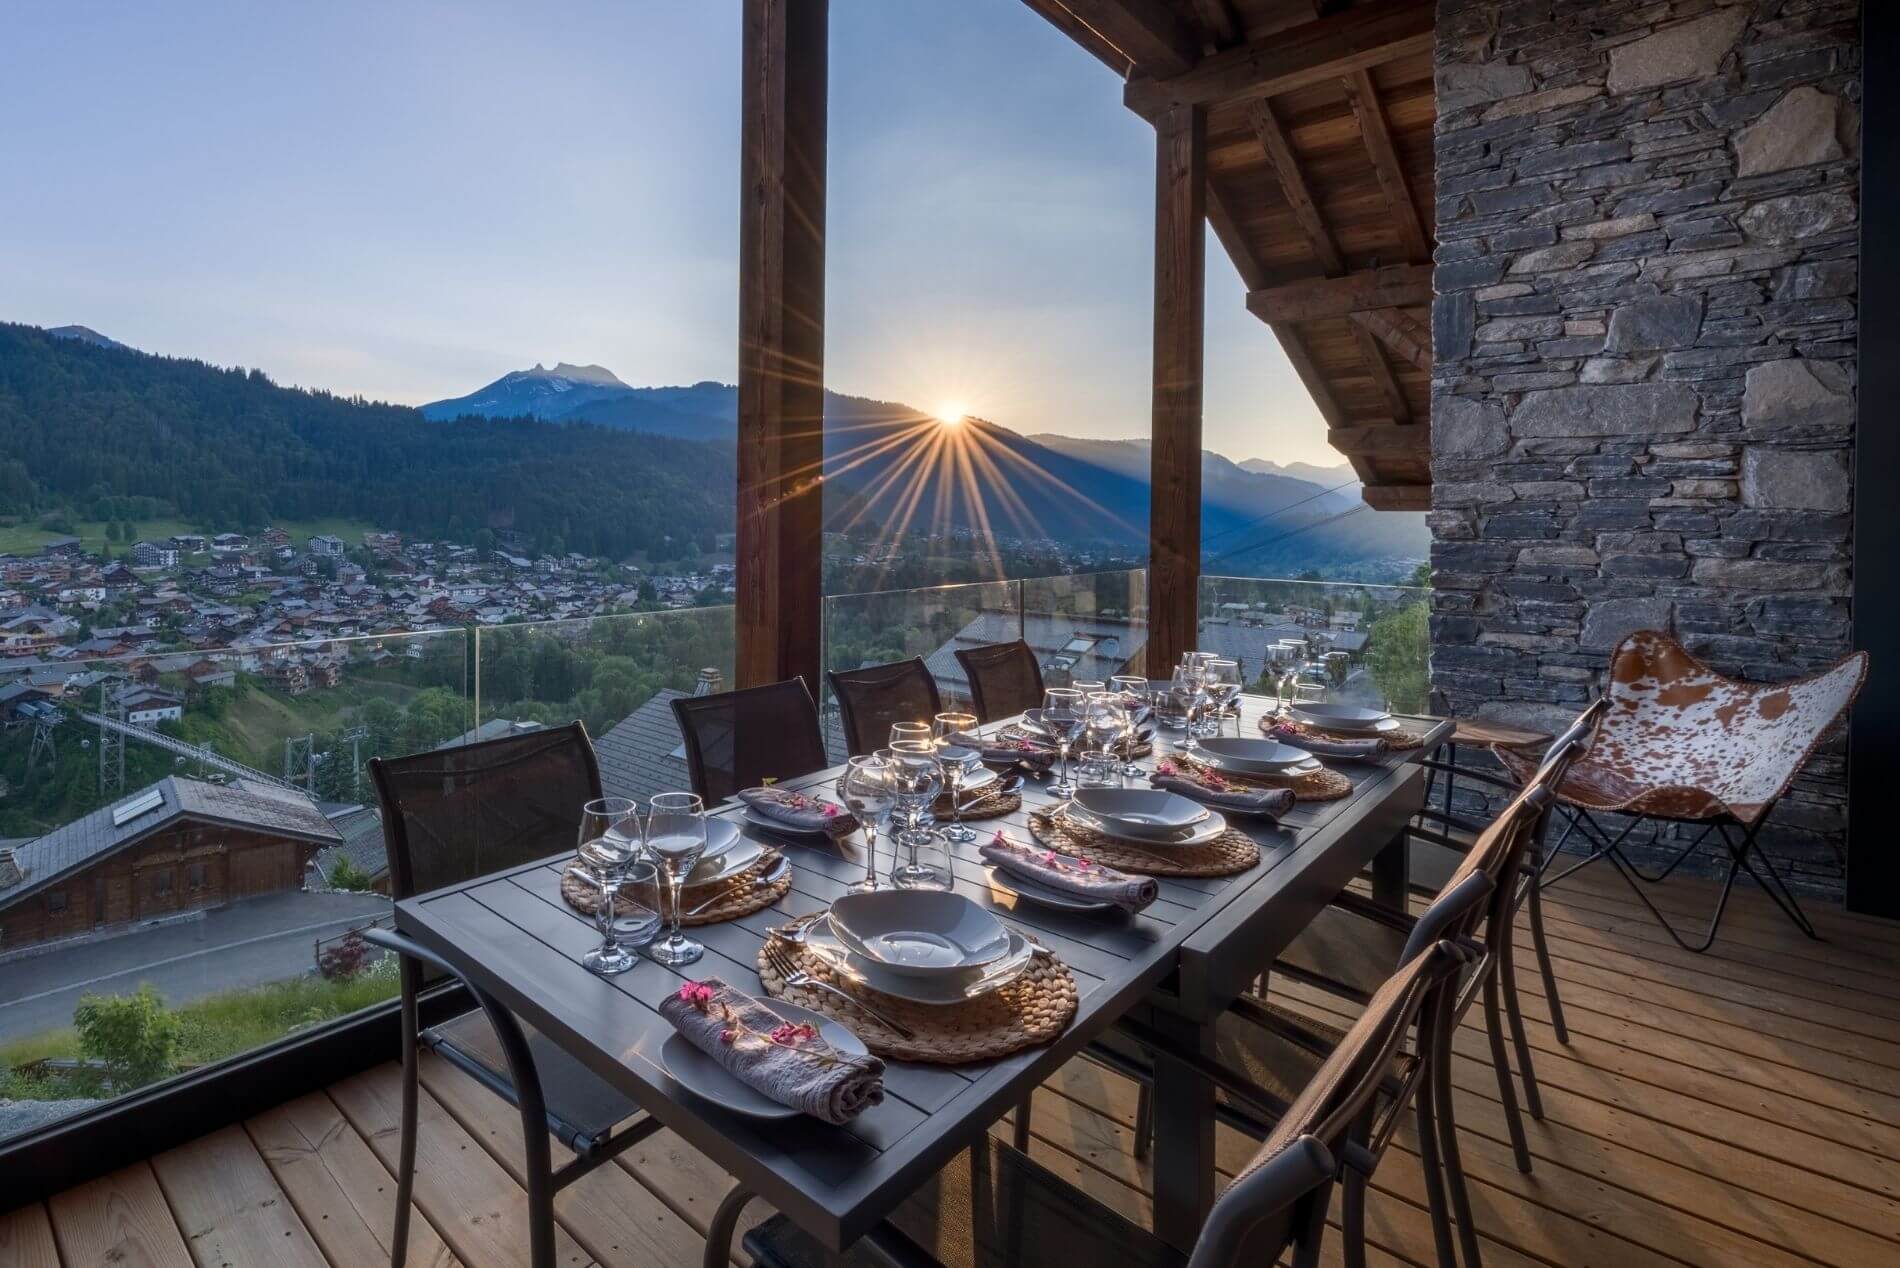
1644	340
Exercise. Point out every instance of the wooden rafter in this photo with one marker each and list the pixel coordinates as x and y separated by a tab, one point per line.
1382	440
1402	333
1293	186
1217	20
1380	370
1155	39
1402	286
1315	52
1397	497
1385	164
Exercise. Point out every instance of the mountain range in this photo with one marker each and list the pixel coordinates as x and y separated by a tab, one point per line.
1256	515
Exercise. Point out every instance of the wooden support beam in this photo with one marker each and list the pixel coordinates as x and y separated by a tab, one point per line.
1404	286
1293	187
1382	440
1385	164
1397	497
1380	369
1298	57
1218	21
1405	335
1174	514
781	341
1149	33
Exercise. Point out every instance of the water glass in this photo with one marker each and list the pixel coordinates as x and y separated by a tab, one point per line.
676	837
869	789
913	732
1137	710
959	762
1062	718
1223	688
919	780
928	864
1187	690
638	904
609	843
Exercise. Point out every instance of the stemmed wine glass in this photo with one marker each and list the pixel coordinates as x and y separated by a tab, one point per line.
869	789
1185	690
1137	709
1223	688
1062	719
676	837
919	778
915	732
609	844
1105	722
959	761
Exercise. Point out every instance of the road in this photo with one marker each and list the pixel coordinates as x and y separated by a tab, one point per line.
247	943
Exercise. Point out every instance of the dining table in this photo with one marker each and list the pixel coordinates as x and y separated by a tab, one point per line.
1176	965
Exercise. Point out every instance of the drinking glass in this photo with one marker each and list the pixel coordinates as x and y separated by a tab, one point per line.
1105	720
676	837
1135	705
637	911
1062	719
1087	685
1186	689
959	762
869	789
1223	688
928	866
609	843
919	780
911	731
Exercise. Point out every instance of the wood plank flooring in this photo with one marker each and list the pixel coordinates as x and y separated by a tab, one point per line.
1736	1108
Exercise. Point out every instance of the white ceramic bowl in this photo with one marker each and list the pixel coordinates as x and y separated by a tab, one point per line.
1141	811
1257	757
919	931
1341	717
1194	834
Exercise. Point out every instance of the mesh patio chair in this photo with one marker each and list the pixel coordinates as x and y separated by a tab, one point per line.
871	698
450	816
1004	679
739	739
1683	744
994	1208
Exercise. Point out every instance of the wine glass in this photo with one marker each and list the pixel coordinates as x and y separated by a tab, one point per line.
1087	686
919	780
1223	688
914	732
1185	688
676	837
869	789
609	843
959	760
1105	721
1062	719
1135	705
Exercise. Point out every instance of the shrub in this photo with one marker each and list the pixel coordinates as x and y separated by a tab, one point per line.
136	1036
346	875
343	958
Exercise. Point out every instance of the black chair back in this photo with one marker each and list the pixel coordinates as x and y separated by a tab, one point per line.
872	698
739	739
454	814
1004	679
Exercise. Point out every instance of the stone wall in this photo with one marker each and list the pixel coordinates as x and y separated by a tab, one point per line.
1643	396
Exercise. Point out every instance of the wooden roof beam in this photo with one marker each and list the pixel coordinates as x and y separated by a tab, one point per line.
1397	497
1403	334
1218	21
1385	164
1402	286
1153	39
1324	49
1293	186
1382	440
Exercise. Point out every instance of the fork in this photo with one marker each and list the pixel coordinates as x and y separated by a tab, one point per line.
791	975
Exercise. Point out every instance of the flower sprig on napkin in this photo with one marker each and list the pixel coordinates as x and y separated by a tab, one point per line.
801	1037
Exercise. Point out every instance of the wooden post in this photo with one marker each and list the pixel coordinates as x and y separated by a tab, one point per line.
1174	514
781	341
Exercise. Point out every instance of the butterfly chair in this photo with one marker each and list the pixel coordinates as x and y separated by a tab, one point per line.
1683	744
1004	679
450	816
994	1208
872	698
740	739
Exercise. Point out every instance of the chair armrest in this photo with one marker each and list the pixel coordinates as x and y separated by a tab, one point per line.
1465	772
1256	1014
402	944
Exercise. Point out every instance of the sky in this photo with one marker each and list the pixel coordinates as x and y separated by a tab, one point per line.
406	200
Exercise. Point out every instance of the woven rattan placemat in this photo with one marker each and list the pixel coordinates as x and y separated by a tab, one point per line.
1232	851
743	899
1123	750
987	806
1026	1013
1402	737
1313	785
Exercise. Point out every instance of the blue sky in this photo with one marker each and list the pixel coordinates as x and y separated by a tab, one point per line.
407	199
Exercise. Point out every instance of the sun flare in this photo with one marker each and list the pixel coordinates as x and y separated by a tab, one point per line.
950	413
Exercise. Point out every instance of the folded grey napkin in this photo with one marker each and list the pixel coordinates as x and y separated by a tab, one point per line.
1259	803
999	751
791	1063
803	811
1320	744
1071	874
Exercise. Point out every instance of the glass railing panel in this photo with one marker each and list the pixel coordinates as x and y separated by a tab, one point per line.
186	846
617	674
933	622
1087	626
1363	644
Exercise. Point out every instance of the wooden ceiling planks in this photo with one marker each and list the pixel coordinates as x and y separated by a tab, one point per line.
1319	118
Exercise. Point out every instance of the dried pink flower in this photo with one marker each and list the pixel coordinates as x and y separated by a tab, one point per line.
728	1036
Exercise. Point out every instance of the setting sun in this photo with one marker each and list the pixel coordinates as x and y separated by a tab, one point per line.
950	413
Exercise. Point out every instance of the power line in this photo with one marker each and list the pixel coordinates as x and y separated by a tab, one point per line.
1320	523
1281	510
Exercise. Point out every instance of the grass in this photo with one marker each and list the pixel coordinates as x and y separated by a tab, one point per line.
25	538
212	1028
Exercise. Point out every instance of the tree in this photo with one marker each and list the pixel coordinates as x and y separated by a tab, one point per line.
1397	651
136	1036
112	532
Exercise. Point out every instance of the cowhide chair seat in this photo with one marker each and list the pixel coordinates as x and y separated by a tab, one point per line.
1683	743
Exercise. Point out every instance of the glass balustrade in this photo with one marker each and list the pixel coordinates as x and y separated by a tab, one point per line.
1346	642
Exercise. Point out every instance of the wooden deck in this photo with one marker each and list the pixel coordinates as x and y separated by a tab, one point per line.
1735	1108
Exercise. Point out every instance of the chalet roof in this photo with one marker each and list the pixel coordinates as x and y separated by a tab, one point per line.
1319	186
244	804
637	753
